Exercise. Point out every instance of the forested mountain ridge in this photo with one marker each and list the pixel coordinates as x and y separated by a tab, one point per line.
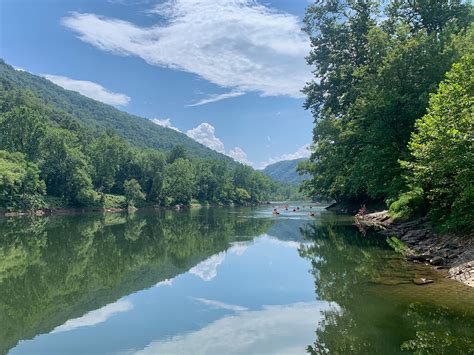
60	149
285	171
100	117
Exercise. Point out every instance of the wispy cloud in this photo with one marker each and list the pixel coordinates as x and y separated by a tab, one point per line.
215	98
220	305
164	123
95	317
237	44
302	152
89	89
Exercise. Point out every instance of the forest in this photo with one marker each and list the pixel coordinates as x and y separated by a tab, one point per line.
54	158
392	101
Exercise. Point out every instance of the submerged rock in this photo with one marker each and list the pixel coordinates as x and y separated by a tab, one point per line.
422	281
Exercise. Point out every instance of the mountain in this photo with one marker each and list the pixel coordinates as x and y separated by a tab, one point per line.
285	171
97	116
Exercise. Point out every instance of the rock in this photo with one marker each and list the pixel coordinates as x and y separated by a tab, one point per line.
437	260
422	281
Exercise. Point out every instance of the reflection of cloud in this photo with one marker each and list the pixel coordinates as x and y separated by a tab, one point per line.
238	248
284	329
221	305
207	269
167	282
95	317
285	243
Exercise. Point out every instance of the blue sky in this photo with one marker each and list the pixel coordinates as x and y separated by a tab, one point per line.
226	72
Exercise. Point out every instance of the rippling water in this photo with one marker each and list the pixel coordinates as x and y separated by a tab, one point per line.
219	281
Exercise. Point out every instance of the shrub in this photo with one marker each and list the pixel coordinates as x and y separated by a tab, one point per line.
410	204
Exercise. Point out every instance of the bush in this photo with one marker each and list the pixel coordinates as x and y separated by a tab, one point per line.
21	189
410	204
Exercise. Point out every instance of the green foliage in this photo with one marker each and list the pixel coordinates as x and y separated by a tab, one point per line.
242	196
373	78
65	168
443	149
21	130
133	192
20	185
179	181
92	151
410	204
397	245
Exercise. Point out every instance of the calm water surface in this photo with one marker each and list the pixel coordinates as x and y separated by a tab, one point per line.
219	281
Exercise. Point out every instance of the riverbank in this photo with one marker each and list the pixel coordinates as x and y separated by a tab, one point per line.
449	251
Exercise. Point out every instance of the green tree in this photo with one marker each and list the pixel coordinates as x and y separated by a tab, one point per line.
21	130
443	149
65	168
176	153
133	192
108	154
373	77
179	182
20	185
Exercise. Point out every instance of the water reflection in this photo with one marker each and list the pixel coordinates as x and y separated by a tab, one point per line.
376	308
61	273
215	281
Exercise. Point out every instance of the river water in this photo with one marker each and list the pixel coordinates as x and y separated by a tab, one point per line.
219	281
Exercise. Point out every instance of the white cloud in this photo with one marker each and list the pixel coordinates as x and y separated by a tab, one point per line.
95	317
302	152
285	329
164	123
89	89
207	269
237	44
215	98
221	305
204	134
239	155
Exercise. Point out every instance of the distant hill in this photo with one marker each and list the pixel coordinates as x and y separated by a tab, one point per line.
285	171
98	117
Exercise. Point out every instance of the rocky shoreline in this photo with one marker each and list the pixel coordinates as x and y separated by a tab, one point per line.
447	251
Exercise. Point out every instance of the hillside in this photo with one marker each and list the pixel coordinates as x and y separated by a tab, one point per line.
285	171
100	117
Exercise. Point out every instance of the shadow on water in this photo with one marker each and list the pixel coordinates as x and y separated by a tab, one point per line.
377	308
58	268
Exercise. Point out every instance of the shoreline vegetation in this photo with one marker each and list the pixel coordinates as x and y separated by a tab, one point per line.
393	104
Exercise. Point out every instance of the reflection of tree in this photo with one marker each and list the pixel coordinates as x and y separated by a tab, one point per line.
59	268
357	273
437	331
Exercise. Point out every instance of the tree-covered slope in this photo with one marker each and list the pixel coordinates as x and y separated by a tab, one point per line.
100	117
285	171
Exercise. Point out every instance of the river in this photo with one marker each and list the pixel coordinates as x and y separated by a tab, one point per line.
219	281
